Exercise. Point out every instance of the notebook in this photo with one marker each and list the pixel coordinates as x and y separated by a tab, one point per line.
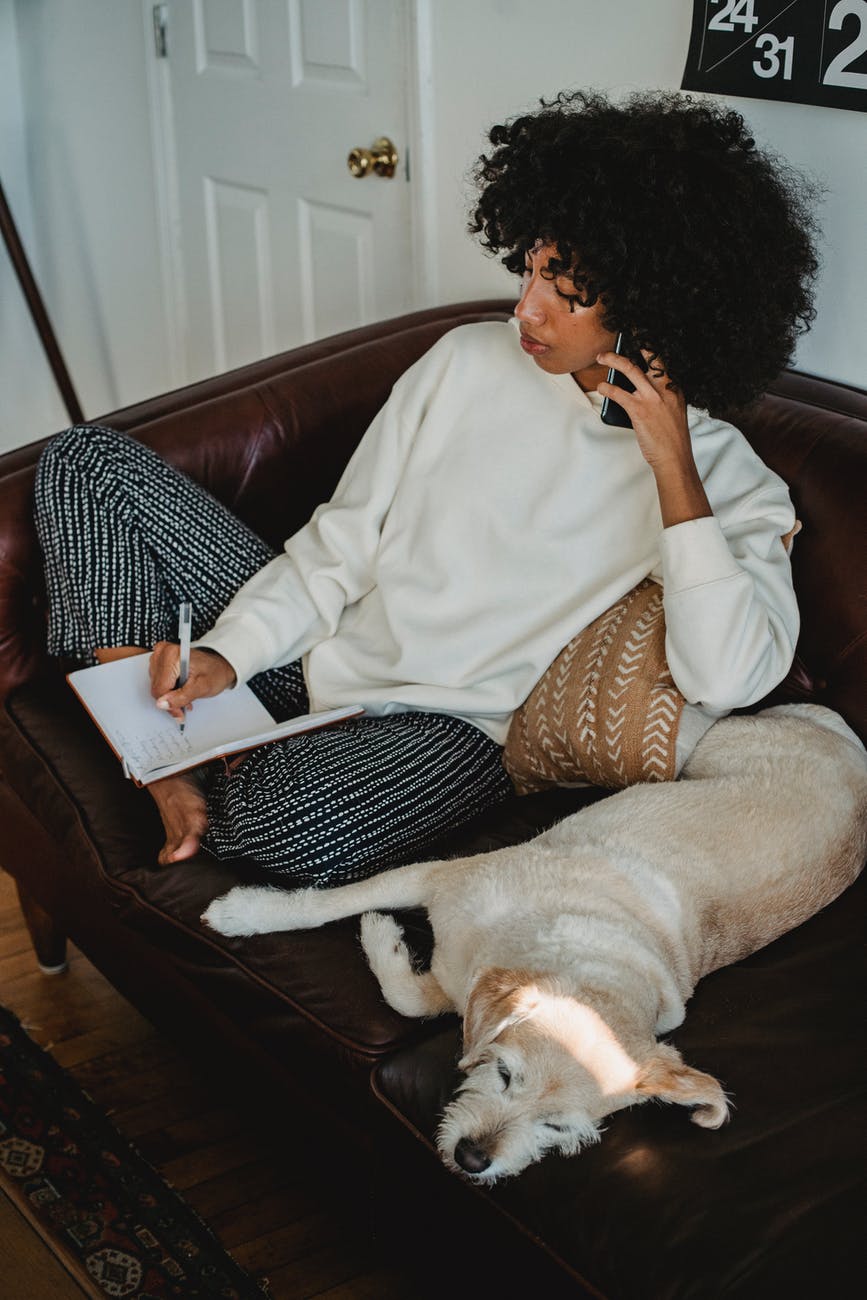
151	745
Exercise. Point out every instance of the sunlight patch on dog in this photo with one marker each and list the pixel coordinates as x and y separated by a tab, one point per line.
589	1038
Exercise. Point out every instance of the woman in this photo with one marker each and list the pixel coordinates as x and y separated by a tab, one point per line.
488	514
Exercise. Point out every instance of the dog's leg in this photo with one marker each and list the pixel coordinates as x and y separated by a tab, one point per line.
411	992
260	909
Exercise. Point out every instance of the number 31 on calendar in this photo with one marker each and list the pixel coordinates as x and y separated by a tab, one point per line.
806	51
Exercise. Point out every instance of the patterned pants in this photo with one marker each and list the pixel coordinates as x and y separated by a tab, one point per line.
125	538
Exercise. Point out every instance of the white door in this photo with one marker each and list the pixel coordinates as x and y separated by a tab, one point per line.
277	242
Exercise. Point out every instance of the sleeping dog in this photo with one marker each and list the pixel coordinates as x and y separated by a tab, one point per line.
569	954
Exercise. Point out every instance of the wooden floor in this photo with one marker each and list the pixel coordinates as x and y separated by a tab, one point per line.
265	1213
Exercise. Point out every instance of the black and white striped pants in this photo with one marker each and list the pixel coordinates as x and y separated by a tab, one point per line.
126	537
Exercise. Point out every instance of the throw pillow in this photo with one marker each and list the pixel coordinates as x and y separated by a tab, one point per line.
606	711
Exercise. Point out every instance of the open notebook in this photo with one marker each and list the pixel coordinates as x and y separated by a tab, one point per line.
151	745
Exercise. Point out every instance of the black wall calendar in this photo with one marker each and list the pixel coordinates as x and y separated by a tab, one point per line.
804	51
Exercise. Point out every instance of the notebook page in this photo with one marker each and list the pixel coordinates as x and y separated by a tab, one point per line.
118	697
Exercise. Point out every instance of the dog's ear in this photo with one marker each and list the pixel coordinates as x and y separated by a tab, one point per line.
665	1076
498	998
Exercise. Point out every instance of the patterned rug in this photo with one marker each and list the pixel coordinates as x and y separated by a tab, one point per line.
119	1228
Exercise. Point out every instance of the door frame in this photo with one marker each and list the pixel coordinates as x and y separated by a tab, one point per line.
420	127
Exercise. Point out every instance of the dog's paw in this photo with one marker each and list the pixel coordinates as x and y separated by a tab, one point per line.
410	991
262	909
246	909
382	939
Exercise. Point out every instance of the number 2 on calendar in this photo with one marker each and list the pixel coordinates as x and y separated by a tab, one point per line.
837	72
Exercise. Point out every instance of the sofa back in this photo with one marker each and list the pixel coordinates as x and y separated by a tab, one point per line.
814	434
271	440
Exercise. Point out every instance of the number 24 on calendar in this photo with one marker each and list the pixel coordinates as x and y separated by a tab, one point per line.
814	51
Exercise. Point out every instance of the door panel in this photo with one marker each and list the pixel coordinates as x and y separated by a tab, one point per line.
278	242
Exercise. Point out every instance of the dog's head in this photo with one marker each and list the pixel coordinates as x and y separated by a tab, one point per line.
543	1069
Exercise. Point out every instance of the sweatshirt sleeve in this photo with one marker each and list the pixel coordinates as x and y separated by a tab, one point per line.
296	600
731	614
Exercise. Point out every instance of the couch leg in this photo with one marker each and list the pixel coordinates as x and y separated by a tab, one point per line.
49	941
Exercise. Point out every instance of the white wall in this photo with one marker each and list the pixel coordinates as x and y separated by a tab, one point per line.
87	134
76	163
28	394
490	59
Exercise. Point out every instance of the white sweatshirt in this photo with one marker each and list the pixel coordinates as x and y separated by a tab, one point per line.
487	516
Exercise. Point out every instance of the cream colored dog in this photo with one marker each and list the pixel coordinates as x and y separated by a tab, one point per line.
567	955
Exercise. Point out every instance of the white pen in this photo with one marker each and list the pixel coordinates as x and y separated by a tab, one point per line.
185	626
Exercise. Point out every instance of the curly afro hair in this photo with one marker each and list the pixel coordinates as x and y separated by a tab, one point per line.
662	209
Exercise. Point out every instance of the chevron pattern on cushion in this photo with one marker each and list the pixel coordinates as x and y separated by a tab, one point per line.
606	711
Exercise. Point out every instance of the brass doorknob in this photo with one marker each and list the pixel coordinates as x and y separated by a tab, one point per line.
380	159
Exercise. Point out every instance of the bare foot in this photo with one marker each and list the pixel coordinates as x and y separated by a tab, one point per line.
181	803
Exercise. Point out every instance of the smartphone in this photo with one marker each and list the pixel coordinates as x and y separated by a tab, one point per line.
613	412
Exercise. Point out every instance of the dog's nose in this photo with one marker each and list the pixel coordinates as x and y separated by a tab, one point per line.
471	1157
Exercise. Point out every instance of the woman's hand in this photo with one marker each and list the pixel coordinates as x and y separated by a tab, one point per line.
210	674
658	413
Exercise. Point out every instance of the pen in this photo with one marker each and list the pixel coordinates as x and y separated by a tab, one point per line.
185	623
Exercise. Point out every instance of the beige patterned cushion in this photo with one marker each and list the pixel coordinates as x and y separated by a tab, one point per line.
607	710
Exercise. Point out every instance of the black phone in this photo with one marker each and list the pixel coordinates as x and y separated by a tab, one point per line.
613	412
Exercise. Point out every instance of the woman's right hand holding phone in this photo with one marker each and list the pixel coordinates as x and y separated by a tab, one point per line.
657	410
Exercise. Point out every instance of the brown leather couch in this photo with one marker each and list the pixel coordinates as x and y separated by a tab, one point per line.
771	1205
